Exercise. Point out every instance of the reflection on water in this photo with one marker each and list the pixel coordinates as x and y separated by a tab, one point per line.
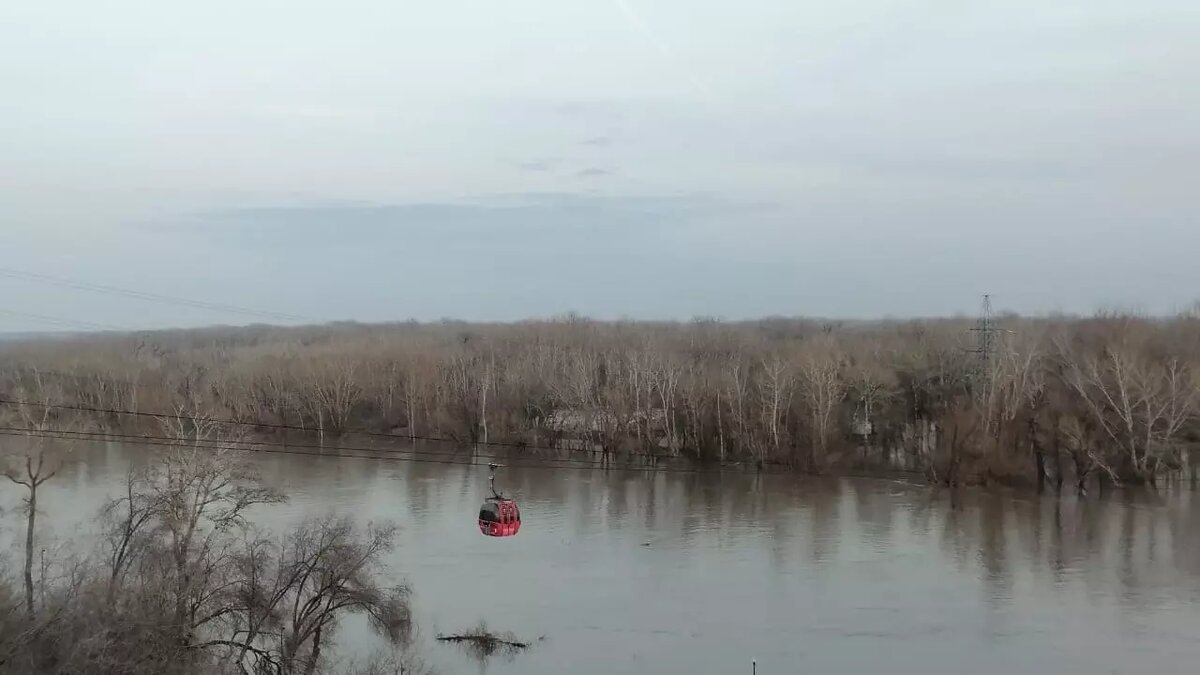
684	573
486	646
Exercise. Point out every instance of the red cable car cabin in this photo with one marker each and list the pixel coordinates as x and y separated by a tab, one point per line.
499	517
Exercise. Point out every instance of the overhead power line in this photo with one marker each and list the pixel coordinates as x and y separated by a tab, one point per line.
290	427
59	434
277	447
324	447
59	321
151	297
559	463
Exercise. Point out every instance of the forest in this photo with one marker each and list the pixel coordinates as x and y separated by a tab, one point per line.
1050	401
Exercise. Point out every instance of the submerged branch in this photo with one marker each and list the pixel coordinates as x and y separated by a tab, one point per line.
486	642
489	640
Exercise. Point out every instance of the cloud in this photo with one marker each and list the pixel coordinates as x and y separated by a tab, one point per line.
593	172
505	256
599	141
522	218
545	164
595	109
310	112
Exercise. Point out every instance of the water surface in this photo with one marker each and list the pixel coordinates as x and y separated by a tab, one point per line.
686	574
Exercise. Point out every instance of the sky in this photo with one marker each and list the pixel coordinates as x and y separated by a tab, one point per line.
381	160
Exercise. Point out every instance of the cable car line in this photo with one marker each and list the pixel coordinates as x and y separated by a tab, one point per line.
279	447
284	427
150	297
60	322
102	288
308	430
397	452
54	434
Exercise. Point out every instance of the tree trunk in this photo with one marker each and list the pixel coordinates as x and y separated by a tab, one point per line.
483	400
412	417
321	427
1081	475
29	529
181	589
721	430
1058	469
1039	454
311	667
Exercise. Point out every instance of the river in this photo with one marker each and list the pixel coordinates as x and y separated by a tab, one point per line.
692	574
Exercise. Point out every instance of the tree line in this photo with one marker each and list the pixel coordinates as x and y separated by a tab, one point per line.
1112	398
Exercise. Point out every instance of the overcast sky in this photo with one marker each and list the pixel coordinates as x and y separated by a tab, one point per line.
484	159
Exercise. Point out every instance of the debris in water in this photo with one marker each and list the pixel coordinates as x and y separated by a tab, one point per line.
483	642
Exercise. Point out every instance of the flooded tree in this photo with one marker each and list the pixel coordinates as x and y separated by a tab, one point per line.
867	395
33	473
185	583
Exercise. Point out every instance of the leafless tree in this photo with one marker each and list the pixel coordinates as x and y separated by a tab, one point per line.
1138	402
331	571
775	393
824	388
31	475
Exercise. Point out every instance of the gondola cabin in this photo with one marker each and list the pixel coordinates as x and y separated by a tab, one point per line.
499	517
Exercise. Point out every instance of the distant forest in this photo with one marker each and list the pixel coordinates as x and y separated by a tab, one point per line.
1047	401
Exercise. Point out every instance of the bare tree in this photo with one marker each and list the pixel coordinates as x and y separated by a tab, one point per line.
775	392
34	470
331	571
1139	403
127	519
737	393
33	474
824	388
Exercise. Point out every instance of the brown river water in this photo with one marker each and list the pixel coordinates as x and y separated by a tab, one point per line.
626	571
